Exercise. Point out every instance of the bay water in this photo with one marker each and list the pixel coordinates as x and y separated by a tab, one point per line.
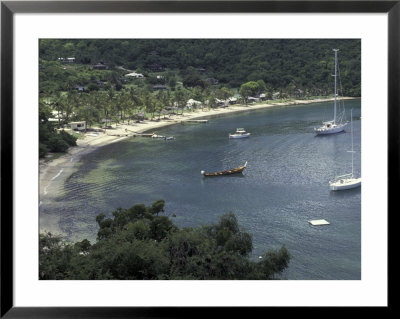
285	184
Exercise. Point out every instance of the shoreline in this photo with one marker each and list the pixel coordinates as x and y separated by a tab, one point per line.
59	169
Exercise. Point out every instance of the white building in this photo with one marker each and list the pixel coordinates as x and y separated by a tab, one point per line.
79	126
193	103
67	60
135	75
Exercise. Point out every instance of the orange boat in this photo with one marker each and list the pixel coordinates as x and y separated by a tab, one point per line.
227	172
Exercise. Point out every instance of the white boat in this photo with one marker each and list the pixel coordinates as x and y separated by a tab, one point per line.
346	181
240	133
336	125
157	136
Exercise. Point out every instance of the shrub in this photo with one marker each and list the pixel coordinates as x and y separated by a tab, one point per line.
57	144
68	138
43	150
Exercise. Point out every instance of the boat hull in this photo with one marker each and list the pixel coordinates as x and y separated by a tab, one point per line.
345	183
228	172
239	135
325	130
237	170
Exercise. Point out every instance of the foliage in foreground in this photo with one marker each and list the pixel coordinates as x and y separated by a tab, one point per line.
140	243
49	139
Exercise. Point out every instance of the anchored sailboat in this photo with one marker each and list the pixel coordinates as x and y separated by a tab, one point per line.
346	181
336	125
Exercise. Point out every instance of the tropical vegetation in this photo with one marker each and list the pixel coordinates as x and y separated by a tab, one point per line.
144	243
111	81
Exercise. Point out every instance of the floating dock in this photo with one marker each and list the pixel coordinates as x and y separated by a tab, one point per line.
318	222
194	121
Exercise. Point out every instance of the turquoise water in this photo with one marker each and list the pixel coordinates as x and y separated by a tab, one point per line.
284	185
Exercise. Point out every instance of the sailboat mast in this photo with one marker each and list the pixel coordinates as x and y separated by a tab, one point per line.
352	150
334	104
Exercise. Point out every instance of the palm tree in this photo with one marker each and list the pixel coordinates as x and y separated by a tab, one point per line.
180	99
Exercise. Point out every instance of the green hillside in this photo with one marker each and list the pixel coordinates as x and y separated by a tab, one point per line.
280	63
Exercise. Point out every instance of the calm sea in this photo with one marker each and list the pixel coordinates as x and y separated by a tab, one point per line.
284	185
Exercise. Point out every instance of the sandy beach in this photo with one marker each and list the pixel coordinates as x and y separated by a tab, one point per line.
58	169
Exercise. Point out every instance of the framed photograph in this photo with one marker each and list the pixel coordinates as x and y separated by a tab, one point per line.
165	157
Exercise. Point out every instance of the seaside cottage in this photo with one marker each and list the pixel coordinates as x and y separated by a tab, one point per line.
252	99
276	95
192	103
299	93
221	102
232	100
261	96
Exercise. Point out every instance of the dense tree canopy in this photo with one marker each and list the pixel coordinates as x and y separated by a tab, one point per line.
49	139
307	63
143	243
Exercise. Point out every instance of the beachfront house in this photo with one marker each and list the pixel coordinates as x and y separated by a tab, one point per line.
140	116
193	103
261	96
252	99
299	93
221	102
232	100
276	95
77	126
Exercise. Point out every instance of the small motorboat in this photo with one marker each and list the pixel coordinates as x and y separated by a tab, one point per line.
240	133
236	170
157	136
169	138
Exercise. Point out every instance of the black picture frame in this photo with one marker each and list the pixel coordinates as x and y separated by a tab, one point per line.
9	8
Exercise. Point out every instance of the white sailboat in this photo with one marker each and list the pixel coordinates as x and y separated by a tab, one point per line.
346	181
335	125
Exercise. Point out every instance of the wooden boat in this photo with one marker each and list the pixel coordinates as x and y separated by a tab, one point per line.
226	172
